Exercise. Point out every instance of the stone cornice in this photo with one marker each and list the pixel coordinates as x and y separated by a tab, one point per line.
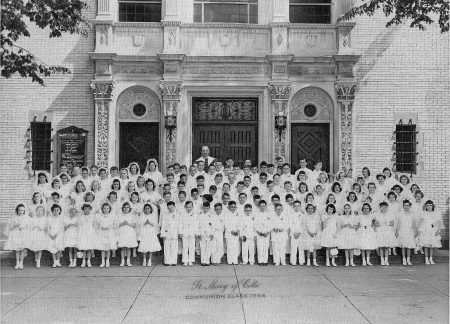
138	24
170	23
346	24
225	59
224	25
102	56
171	57
311	26
280	58
346	58
136	58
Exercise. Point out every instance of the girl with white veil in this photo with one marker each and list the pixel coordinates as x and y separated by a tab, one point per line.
133	171
152	172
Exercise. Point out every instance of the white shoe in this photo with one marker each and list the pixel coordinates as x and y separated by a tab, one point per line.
368	262
144	263
315	263
54	265
129	263
415	251
103	264
89	264
333	263
386	262
185	264
346	263
404	262
382	262
38	264
426	261
327	263
431	261
122	263
308	263
107	264
83	264
364	262
352	264
421	251
277	264
58	263
21	265
191	264
74	264
17	265
408	262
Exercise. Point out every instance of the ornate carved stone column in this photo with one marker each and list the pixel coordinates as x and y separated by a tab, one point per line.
345	93
279	94
102	97
171	94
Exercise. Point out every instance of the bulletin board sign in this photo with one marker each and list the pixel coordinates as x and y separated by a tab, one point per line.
72	147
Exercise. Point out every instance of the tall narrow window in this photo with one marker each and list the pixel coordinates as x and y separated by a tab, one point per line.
405	147
41	145
140	10
310	11
244	12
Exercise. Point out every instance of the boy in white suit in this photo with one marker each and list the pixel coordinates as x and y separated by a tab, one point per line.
247	235
208	225
295	229
279	235
169	231
263	227
188	232
231	221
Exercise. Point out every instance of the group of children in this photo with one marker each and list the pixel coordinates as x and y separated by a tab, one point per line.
221	209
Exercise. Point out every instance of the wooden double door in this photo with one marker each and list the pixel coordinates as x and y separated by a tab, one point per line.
138	143
223	140
311	141
229	127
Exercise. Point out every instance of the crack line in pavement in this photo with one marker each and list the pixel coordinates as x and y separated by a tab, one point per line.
240	295
139	292
400	269
37	291
343	295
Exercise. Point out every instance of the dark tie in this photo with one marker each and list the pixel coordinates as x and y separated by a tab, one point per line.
206	162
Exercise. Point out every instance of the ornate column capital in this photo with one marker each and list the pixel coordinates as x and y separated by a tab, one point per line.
102	89
280	91
346	91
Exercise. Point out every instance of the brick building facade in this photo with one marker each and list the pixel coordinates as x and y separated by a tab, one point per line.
349	82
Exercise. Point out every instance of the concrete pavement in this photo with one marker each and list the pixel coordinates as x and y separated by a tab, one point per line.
226	294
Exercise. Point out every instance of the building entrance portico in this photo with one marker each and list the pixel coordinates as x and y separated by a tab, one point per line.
229	127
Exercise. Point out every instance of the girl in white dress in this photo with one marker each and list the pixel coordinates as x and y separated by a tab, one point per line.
430	224
405	182
406	232
77	196
367	238
390	180
85	178
151	172
302	191
348	239
129	189
42	184
17	231
330	232
99	193
312	227
140	185
151	196
357	189
105	223
37	241
385	224
148	234
127	233
36	201
133	171
55	232
339	194
70	222
352	200
86	234
324	182
136	209
123	178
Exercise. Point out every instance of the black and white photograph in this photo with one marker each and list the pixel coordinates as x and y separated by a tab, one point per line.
224	161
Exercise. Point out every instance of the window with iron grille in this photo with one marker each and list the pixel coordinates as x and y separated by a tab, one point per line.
226	11
405	148
139	10
310	11
41	145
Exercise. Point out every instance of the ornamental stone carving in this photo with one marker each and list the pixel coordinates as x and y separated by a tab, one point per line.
310	70
345	93
102	97
139	95
279	94
148	69
318	97
260	69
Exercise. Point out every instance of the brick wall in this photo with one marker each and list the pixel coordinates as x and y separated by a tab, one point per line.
403	70
69	97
